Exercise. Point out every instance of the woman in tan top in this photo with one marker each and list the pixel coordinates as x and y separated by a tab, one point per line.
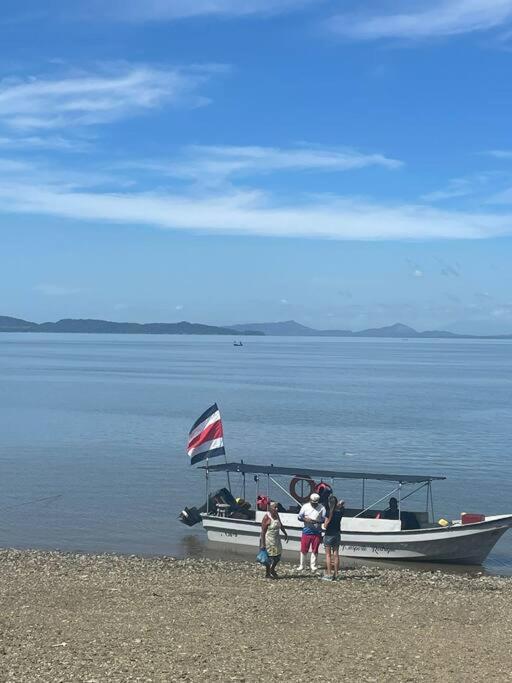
270	539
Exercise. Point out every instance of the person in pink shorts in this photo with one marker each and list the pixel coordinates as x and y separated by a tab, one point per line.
313	515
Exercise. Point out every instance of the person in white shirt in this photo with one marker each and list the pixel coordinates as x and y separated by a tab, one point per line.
313	515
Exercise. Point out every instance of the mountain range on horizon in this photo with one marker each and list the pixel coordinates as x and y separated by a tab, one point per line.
287	328
92	326
397	330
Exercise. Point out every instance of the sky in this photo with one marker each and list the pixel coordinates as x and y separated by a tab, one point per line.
343	163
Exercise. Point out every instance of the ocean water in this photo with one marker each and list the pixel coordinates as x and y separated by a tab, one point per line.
93	428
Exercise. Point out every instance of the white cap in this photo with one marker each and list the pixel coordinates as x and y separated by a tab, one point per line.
314	497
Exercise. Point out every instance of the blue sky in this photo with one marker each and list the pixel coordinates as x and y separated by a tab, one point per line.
346	164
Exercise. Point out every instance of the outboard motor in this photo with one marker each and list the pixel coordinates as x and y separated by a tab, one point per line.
191	516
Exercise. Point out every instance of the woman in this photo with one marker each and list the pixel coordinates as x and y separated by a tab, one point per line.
270	540
332	538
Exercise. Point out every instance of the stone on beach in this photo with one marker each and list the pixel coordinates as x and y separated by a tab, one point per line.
71	617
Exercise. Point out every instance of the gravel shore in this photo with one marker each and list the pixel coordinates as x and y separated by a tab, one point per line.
71	617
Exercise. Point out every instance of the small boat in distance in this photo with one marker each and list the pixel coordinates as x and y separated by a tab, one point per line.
237	343
367	531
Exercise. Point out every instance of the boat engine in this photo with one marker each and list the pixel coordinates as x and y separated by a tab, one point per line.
192	516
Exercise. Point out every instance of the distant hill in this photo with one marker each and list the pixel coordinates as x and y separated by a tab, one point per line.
8	324
287	328
397	331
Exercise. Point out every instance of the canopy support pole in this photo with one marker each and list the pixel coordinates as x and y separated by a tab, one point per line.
284	490
378	501
431	500
257	481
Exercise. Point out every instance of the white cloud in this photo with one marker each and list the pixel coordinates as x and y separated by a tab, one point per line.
52	142
250	212
435	18
216	163
179	307
457	187
418	273
168	10
56	290
502	197
500	153
472	185
93	98
13	166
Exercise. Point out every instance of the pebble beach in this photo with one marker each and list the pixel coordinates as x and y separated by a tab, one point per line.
72	617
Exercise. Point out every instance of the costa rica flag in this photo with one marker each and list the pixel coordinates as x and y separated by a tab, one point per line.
206	438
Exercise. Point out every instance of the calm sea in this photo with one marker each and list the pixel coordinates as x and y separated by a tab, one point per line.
93	427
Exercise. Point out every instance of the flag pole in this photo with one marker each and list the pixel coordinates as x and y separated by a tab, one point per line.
227	473
207	489
225	456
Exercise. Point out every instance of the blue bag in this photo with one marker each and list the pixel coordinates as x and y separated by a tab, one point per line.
262	557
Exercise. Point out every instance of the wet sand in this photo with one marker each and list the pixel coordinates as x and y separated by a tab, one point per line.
71	617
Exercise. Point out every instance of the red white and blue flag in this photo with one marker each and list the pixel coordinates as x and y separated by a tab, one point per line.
206	438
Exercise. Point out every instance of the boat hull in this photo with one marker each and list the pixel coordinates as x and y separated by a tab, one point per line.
456	544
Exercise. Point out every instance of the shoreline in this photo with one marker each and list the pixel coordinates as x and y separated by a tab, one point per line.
78	617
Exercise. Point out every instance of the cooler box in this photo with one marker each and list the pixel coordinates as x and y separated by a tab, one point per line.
471	518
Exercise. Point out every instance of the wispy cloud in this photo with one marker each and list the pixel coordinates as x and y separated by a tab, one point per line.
500	154
420	20
501	197
168	10
92	98
50	142
471	185
252	212
56	290
114	195
216	163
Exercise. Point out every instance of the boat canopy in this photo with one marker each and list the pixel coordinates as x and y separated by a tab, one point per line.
248	468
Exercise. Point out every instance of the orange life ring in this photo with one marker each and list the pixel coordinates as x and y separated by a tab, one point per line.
323	489
293	486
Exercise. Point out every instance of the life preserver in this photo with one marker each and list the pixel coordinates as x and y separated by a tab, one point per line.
262	503
323	489
293	486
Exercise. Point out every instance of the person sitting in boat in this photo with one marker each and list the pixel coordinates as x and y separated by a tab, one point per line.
409	519
392	512
270	539
313	515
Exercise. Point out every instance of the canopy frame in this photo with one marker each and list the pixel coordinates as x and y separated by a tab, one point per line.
249	468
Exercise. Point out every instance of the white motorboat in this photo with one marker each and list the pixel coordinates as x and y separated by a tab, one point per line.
365	532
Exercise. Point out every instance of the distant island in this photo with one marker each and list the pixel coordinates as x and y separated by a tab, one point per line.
91	326
288	328
291	328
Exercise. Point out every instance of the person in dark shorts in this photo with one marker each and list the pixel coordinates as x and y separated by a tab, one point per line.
332	538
